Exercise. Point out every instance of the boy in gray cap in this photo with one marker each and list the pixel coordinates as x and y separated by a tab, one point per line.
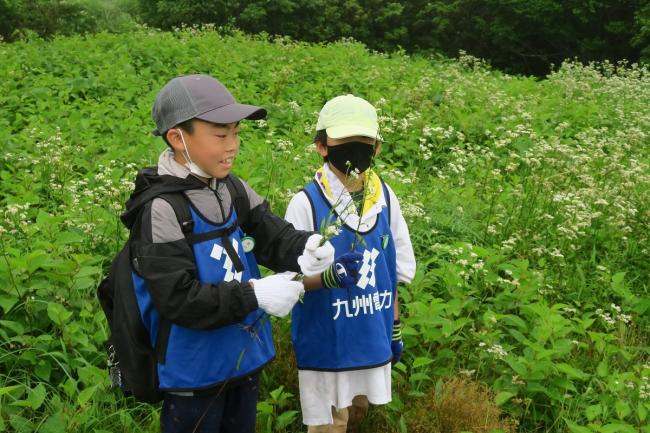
196	282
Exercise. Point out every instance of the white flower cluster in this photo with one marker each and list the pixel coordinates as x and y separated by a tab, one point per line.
496	349
615	316
568	184
644	388
15	218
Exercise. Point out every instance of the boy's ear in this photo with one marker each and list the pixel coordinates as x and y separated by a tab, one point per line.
174	138
321	148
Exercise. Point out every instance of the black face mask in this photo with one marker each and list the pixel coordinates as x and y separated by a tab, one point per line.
359	155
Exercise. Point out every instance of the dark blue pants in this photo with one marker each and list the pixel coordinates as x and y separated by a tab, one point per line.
231	411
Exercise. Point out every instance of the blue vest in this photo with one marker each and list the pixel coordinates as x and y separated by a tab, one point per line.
340	329
197	358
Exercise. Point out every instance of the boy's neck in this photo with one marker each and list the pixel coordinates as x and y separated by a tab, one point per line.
352	184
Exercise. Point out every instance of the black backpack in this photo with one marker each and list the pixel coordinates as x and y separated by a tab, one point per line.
132	361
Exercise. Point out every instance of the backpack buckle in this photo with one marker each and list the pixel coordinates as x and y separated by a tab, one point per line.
187	226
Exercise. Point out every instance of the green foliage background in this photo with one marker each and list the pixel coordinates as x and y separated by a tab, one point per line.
528	203
517	36
520	36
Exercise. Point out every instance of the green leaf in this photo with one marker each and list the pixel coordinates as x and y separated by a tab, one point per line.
88	271
84	283
16	327
277	393
518	367
43	218
642	306
85	395
70	387
619	287
21	403
642	412
570	371
68	238
418	377
264	407
602	369
402	424
618	428
90	375
516	321
36	259
43	370
21	424
575	428
593	411
285	419
36	396
57	313
8	389
503	397
618	280
622	409
421	361
54	424
7	302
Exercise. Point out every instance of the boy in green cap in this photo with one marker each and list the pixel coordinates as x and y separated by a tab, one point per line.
346	332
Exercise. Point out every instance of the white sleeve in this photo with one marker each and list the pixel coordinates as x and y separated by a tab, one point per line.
403	246
300	214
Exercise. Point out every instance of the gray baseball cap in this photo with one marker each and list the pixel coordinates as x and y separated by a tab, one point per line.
201	97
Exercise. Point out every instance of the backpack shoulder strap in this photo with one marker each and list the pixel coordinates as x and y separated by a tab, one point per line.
239	198
181	205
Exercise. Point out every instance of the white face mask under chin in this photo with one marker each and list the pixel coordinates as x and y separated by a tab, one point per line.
194	169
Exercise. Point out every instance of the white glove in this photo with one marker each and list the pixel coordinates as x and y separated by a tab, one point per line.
276	294
315	259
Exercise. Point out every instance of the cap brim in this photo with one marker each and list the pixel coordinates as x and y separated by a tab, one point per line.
233	113
343	131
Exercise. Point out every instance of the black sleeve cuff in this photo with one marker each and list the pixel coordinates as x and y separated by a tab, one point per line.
249	298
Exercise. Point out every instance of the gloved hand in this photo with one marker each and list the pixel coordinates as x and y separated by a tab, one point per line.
276	294
344	272
397	346
315	259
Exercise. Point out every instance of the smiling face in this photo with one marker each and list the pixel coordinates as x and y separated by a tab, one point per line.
212	147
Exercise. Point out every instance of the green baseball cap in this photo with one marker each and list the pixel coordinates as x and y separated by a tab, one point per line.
348	116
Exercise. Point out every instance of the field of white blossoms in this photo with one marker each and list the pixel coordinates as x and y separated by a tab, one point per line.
528	203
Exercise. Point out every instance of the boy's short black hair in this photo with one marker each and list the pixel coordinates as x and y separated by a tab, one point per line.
187	126
321	137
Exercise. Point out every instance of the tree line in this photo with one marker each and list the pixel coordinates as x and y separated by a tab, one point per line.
518	36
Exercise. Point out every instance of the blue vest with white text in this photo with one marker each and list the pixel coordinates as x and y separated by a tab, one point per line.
340	329
203	358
